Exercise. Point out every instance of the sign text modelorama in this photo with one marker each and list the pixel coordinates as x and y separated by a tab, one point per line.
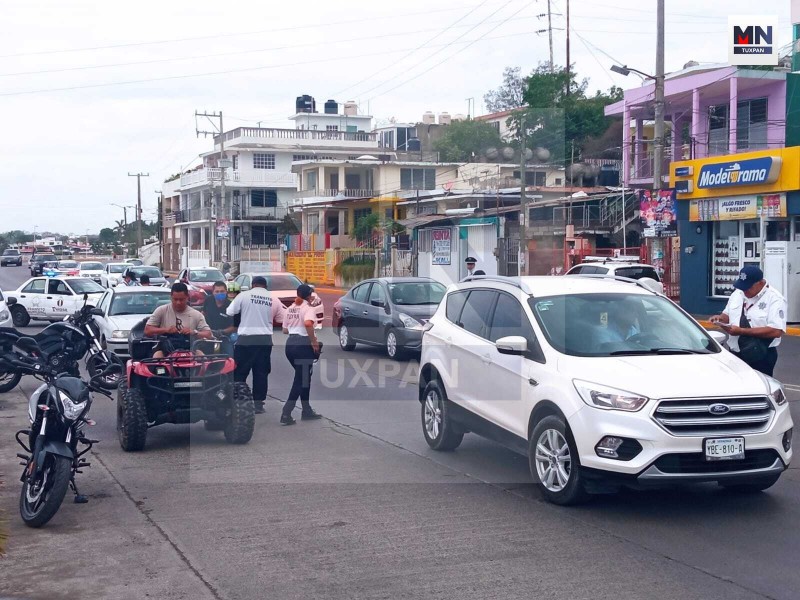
752	171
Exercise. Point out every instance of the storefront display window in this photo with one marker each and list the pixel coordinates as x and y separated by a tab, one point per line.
725	259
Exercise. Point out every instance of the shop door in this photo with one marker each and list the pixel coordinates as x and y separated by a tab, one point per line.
751	243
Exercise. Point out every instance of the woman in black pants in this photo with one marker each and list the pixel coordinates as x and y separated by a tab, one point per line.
302	348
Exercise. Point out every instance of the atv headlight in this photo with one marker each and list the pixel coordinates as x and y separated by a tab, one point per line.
70	409
600	396
409	322
774	388
120	334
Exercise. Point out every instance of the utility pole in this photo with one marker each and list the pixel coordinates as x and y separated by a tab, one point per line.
658	151
222	164
139	239
523	200
568	65
550	34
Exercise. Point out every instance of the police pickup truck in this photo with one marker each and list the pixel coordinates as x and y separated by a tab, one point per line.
51	298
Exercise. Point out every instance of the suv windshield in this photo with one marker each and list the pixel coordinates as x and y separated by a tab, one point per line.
137	303
207	276
91	266
84	286
618	325
410	294
11	253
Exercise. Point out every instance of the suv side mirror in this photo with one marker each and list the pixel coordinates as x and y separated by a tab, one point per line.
719	336
513	344
97	311
11	301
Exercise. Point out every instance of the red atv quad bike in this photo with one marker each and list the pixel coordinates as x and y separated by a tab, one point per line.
182	387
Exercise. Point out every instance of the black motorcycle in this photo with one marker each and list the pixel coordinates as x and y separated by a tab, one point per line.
62	345
58	411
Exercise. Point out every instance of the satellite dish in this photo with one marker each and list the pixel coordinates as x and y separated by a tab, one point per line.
367	157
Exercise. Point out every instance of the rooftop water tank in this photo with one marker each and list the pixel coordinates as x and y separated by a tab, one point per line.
331	107
428	118
414	145
305	104
444	118
350	108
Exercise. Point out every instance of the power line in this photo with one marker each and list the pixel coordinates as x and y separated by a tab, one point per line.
228	35
411	52
224	54
452	55
242	70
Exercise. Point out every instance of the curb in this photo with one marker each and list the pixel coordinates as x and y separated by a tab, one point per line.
330	290
792	331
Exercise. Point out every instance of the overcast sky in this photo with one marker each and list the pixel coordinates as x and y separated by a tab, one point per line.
137	72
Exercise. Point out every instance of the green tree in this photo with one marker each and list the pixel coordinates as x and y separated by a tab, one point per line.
366	227
463	140
107	236
509	95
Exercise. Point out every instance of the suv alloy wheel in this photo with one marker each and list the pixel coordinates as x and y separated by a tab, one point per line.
554	464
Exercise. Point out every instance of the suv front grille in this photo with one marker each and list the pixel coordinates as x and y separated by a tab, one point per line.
691	416
696	462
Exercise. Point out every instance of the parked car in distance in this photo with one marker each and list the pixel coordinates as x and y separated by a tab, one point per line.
620	267
92	269
38	260
135	262
282	287
601	384
51	298
11	258
201	282
112	273
124	307
389	312
69	267
154	273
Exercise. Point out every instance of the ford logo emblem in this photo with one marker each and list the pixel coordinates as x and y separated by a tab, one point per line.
719	409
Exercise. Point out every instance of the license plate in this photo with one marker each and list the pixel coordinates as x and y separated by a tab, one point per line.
724	448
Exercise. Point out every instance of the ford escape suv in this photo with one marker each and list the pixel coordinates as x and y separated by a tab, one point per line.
601	384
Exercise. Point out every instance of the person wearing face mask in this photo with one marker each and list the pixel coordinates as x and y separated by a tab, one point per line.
215	309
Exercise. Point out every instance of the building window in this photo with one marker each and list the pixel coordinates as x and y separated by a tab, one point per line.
558	181
751	124
311	180
264	198
331	128
718	129
298	157
360	213
261	235
235	162
535	178
263	161
417	179
496	125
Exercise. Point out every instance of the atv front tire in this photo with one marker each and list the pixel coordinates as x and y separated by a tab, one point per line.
131	418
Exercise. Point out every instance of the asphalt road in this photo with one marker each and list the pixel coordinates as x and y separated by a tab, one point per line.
357	506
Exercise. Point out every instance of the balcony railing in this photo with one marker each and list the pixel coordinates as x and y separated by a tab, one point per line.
298	134
334	193
265	178
236	213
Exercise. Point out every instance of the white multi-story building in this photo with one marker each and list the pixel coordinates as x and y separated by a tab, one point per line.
200	226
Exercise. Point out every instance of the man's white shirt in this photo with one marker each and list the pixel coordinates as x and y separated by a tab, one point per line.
767	309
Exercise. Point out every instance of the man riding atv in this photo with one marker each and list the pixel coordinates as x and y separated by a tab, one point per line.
178	321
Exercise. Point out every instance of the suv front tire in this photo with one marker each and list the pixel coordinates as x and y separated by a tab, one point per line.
554	464
438	428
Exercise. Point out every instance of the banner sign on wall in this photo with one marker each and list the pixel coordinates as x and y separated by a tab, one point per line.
658	213
738	208
441	246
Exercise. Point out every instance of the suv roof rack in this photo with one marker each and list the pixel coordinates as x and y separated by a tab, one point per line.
515	281
637	282
612	259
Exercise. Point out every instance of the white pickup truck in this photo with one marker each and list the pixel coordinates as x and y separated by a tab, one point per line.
51	298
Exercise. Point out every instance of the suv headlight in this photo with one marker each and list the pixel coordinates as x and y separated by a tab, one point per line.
774	388
408	321
120	334
71	409
608	398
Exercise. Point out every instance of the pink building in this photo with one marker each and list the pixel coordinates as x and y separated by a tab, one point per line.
710	111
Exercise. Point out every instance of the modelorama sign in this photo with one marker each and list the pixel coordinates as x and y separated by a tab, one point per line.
738	208
752	171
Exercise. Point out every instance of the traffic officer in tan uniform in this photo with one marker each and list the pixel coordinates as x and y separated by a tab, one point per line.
755	318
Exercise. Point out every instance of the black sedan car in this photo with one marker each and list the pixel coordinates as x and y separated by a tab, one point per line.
11	257
388	312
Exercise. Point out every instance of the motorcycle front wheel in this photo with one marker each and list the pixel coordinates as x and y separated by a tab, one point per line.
97	363
9	380
41	496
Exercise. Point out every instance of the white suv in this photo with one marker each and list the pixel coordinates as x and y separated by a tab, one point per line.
602	384
620	267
